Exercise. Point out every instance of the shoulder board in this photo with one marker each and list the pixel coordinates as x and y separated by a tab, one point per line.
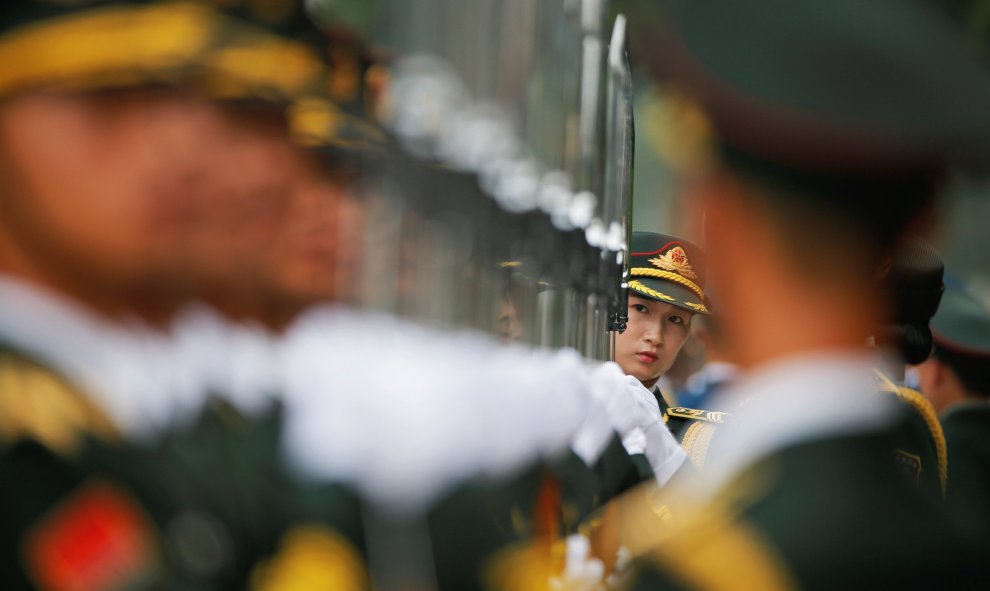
35	403
695	414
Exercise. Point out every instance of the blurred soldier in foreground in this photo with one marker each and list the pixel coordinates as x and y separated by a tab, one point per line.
957	380
147	440
121	129
835	128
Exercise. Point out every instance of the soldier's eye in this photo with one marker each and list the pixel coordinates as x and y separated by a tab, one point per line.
677	320
640	308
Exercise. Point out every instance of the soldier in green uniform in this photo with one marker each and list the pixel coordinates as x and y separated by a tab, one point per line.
666	290
913	283
829	147
114	117
957	380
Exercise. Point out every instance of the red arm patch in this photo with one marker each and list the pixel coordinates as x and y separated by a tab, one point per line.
97	539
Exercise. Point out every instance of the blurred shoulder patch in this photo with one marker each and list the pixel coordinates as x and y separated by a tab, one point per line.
36	403
96	539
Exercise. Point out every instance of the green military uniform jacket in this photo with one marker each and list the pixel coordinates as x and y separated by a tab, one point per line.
920	448
206	506
826	514
967	435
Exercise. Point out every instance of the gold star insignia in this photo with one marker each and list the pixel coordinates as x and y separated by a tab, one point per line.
675	260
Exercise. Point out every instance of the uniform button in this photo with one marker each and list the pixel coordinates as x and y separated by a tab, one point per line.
200	543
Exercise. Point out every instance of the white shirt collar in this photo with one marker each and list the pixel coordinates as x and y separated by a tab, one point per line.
100	355
793	400
143	378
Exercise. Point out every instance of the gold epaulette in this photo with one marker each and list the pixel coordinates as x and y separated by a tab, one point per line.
696	441
697	437
923	407
37	404
710	416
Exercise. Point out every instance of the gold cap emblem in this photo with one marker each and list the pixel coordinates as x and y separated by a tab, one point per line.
675	260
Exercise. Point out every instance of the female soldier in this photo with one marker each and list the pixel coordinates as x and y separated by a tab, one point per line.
666	290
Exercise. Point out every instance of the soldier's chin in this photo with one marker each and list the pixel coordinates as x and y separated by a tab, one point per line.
644	374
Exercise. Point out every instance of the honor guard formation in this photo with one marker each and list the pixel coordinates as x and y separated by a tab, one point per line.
346	295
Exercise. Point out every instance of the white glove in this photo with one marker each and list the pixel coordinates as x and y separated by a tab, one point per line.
594	434
662	451
582	571
621	396
651	437
635	415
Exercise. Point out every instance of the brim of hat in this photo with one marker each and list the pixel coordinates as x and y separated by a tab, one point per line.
177	43
962	325
246	61
319	124
669	292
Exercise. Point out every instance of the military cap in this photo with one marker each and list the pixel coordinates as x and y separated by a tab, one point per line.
320	124
268	50
961	327
961	330
864	105
341	122
86	44
668	269
860	85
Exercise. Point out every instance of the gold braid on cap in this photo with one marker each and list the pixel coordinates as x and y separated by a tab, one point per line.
669	276
650	292
84	50
636	285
